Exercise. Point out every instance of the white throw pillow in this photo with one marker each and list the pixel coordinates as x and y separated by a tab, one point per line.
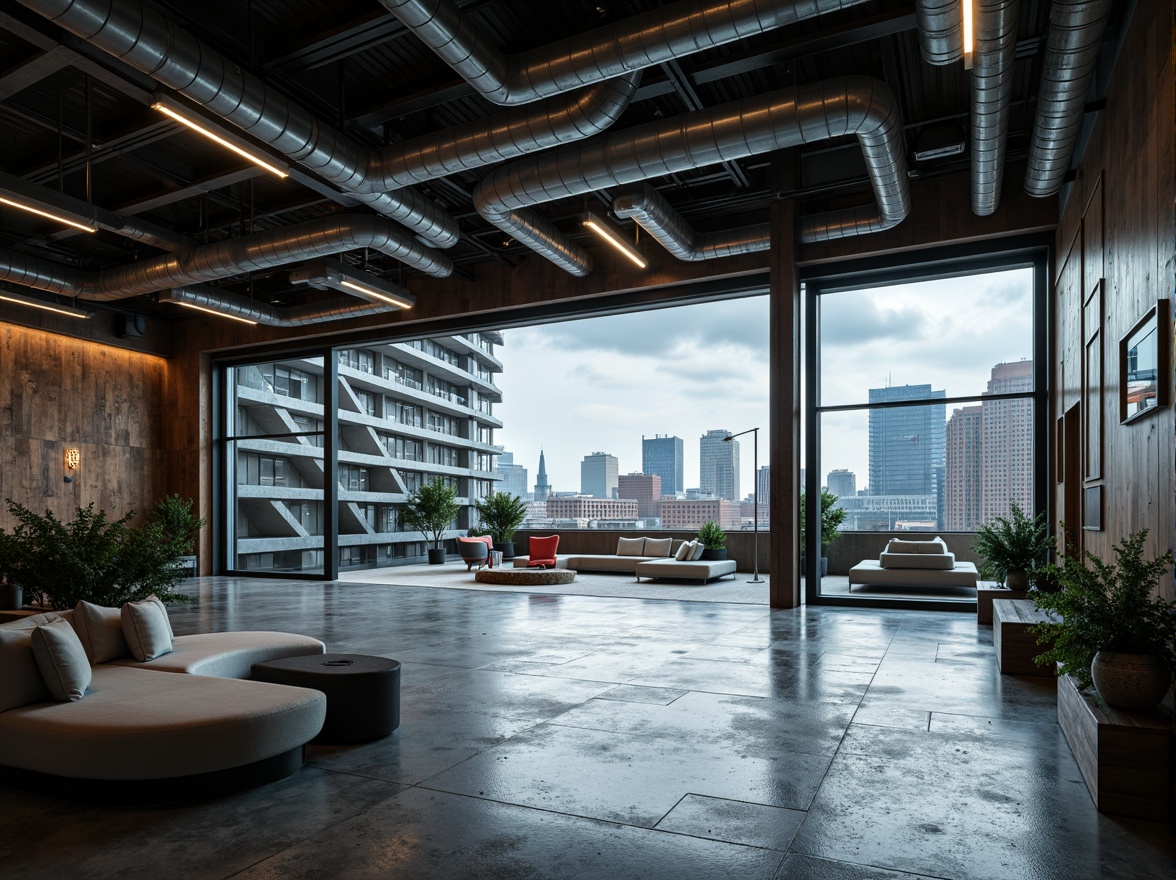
147	631
698	548
630	546
64	666
21	682
685	550
100	632
658	546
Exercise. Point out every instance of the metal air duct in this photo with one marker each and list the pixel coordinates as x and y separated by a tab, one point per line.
856	105
649	209
644	40
223	259
992	87
149	42
940	30
237	306
1075	33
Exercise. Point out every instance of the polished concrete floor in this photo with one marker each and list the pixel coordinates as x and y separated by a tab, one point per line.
585	737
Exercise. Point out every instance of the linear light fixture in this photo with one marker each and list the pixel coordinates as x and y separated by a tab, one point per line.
206	311
400	301
21	299
183	116
969	36
613	237
49	215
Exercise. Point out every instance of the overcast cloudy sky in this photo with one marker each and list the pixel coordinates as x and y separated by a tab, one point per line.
598	384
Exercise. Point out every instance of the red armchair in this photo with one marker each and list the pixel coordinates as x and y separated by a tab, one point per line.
542	552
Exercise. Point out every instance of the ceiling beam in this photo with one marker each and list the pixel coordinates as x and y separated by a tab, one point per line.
32	70
219	180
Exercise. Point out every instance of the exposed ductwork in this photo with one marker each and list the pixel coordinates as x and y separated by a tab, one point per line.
149	42
992	87
858	106
644	40
649	209
234	305
235	256
1075	33
940	30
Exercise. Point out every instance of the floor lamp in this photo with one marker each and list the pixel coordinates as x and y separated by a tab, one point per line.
755	578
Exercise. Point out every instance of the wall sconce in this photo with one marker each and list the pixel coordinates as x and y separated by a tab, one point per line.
73	457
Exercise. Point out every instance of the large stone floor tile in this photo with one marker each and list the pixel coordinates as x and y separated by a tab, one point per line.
800	867
428	835
733	822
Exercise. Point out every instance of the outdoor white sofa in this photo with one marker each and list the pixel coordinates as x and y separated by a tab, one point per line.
914	564
644	557
181	725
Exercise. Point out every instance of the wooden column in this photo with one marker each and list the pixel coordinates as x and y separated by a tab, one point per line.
784	411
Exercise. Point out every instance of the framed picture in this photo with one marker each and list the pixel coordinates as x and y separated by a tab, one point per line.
1092	508
1144	365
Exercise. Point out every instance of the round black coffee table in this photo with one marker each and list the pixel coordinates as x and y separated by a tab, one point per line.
363	692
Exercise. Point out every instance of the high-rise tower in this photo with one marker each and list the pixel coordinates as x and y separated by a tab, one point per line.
718	461
663	456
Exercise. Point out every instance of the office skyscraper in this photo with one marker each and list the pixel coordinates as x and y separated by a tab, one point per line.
514	476
598	475
763	482
645	489
962	475
542	490
907	442
842	483
663	456
1007	463
718	463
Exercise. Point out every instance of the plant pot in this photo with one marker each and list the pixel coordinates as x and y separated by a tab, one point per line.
1135	682
436	555
1017	580
716	553
506	548
11	597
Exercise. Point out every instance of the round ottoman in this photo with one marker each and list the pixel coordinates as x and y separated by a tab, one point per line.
363	692
525	577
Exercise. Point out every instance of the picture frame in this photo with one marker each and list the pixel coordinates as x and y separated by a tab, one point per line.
1145	365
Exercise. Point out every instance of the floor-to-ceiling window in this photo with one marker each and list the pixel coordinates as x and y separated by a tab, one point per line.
925	414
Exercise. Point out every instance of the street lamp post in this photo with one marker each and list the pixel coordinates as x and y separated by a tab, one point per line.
755	577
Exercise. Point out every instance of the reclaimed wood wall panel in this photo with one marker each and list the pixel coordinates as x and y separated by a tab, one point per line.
1119	213
58	392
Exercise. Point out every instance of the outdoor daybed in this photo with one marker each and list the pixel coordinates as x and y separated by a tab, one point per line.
181	725
645	557
914	564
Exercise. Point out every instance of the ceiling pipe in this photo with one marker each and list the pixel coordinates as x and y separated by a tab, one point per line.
940	30
1072	48
149	42
242	307
992	88
223	259
653	37
133	228
649	209
855	105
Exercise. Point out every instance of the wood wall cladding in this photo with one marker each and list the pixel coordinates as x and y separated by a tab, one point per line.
109	403
1116	246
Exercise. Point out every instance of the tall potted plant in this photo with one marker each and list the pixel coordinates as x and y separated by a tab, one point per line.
714	540
1012	549
1115	632
430	510
832	517
501	513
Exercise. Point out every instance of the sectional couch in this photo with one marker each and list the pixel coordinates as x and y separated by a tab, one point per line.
180	725
645	557
914	564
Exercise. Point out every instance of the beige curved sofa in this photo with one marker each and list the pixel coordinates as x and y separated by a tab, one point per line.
180	726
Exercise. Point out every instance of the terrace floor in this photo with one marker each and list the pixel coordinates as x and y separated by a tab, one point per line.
547	736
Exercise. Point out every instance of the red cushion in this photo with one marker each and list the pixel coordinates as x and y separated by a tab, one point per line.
542	551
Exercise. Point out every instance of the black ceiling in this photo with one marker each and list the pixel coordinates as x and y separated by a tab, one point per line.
355	66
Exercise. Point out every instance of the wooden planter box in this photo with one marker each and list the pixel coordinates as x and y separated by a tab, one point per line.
985	597
1015	645
1125	757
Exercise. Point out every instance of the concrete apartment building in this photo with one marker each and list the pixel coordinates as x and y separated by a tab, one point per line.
682	513
407	412
585	508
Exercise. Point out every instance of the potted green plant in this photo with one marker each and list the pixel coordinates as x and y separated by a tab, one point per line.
1114	632
501	513
1011	549
107	562
430	510
832	517
714	540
